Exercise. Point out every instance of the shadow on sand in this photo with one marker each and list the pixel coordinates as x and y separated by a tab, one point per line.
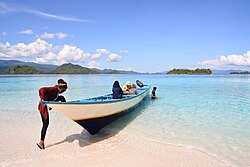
110	130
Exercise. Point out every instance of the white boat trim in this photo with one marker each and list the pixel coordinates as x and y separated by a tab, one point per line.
87	109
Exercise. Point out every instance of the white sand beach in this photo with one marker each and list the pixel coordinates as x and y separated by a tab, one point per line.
107	148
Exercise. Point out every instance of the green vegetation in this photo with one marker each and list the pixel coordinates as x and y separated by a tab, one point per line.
63	69
73	69
244	72
20	67
5	64
22	70
190	72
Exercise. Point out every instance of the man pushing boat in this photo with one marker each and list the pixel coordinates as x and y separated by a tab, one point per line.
49	94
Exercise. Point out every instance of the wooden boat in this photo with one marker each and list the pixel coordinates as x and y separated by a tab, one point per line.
95	113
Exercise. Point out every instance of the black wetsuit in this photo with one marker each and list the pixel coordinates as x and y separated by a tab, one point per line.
47	94
46	121
153	92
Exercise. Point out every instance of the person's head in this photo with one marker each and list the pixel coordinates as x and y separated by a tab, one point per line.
154	88
133	86
128	84
62	85
116	84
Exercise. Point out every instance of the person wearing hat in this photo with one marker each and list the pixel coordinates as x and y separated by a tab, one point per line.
127	87
49	94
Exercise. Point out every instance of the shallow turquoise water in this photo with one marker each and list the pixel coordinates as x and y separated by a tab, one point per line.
208	113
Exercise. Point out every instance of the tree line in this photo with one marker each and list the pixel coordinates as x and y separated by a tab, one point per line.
190	72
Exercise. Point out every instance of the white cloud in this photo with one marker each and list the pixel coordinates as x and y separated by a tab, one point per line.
65	54
72	53
44	52
99	53
39	47
95	56
93	64
26	32
58	35
45	35
113	57
103	51
7	44
41	51
50	57
230	61
56	17
61	35
6	8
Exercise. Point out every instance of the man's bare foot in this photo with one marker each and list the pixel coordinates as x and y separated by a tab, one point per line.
41	145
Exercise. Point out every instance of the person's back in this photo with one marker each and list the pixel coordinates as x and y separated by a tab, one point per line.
133	90
153	96
117	90
48	93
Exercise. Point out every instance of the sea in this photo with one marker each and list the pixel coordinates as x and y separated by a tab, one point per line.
209	113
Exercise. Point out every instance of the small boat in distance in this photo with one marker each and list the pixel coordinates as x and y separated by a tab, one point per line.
95	113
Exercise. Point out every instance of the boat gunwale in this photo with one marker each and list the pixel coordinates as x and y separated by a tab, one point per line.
79	102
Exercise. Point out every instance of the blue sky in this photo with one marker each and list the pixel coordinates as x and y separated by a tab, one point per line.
139	35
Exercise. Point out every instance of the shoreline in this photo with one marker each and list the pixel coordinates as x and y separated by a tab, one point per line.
213	156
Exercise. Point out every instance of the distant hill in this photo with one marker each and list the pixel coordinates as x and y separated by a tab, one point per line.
244	72
73	69
106	71
197	71
5	64
63	69
22	70
110	71
225	72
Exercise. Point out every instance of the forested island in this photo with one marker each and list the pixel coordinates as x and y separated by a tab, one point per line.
244	72
24	69
20	67
197	71
72	69
63	69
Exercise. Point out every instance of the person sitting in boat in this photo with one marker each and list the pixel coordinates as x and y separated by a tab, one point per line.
133	90
126	88
153	96
117	90
49	94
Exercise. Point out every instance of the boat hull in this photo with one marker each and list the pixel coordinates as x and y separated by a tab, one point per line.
94	125
93	116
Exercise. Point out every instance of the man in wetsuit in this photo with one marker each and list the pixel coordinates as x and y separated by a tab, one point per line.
153	96
49	94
